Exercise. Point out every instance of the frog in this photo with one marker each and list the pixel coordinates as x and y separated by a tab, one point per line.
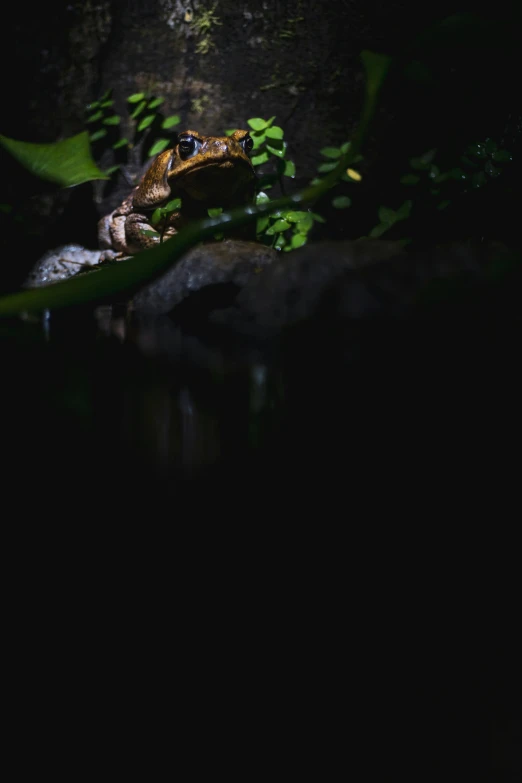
203	171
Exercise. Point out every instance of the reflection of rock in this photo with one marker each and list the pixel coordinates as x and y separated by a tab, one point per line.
60	263
209	275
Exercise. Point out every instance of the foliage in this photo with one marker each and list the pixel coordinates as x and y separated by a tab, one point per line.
285	229
436	187
107	280
65	163
148	121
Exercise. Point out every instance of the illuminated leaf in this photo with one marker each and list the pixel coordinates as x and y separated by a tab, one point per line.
66	163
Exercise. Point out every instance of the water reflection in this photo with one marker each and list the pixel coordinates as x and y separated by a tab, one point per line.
184	405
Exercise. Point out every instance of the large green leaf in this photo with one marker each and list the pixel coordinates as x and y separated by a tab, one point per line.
66	163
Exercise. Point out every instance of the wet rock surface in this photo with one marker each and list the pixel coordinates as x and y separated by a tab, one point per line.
210	275
252	291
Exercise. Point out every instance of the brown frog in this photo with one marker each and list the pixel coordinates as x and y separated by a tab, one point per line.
204	171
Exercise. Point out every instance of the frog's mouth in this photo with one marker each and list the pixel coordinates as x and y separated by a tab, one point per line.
214	180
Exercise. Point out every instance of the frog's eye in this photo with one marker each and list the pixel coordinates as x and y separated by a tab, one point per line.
247	143
188	146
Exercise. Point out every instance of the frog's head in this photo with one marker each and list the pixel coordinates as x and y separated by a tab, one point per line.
216	169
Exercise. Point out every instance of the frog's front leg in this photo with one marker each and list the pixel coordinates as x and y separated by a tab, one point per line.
137	236
138	226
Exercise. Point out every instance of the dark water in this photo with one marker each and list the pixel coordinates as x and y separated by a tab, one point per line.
98	404
376	463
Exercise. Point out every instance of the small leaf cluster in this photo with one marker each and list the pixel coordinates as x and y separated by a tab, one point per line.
388	217
333	155
480	163
283	229
101	116
160	216
143	109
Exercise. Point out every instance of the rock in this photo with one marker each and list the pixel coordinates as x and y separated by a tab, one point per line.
213	271
345	281
292	289
62	262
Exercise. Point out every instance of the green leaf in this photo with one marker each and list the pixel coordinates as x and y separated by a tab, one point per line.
345	147
410	179
275	132
376	66
280	242
478	150
139	108
214	211
325	167
120	143
230	131
106	104
169	122
155	103
289	170
173	205
148	233
279	150
501	156
262	198
387	215
106	94
442	177
278	226
112	169
262	223
316	180
136	97
341	202
66	163
258	139
257	160
158	146
458	174
94	117
304	225
156	216
443	204
331	152
114	119
97	135
146	121
404	211
377	231
257	123
423	162
491	146
298	240
318	218
93	105
296	215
